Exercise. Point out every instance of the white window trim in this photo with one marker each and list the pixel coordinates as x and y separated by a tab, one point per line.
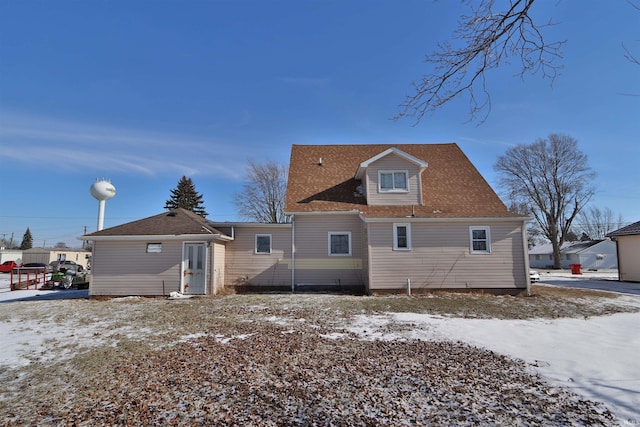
338	233
255	250
393	190
488	233
395	237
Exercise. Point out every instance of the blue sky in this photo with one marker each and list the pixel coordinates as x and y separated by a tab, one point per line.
143	92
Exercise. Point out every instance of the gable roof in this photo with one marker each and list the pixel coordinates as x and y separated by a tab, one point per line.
452	187
630	229
393	150
176	222
567	247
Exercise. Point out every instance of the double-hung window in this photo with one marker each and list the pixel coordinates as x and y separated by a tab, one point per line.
402	237
339	243
480	240
263	243
393	181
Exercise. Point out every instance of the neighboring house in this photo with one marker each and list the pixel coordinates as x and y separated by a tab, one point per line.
10	255
591	255
373	218
628	244
45	255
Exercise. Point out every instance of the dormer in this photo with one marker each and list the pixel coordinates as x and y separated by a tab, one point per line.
392	177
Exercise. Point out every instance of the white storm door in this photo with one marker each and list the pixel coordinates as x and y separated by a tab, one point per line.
194	263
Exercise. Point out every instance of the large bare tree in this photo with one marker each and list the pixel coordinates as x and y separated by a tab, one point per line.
263	193
553	177
487	38
597	223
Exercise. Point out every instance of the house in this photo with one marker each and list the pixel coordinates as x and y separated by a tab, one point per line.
591	255
176	251
395	217
628	246
369	218
10	255
48	255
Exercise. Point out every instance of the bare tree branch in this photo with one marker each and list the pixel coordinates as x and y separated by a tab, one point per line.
483	41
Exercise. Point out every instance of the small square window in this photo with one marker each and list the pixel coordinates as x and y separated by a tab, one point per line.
339	243
263	243
154	248
480	240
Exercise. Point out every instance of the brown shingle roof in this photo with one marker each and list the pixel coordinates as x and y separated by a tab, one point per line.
452	186
172	223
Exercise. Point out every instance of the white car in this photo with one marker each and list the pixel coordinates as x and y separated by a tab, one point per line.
534	276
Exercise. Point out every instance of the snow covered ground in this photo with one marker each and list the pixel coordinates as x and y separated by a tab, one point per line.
594	357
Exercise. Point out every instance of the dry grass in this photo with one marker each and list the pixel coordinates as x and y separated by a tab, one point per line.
262	360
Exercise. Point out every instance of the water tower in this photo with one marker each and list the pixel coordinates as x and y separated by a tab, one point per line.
102	190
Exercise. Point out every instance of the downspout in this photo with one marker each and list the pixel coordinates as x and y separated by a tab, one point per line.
369	265
618	259
210	256
525	252
293	253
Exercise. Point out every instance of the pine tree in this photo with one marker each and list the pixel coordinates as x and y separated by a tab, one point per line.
27	240
185	196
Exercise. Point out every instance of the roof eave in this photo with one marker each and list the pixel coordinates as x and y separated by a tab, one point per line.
164	237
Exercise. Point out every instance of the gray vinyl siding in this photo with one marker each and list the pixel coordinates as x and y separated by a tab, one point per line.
440	257
387	163
313	265
244	267
125	268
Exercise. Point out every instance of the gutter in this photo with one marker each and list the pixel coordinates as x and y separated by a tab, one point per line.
349	212
149	237
442	219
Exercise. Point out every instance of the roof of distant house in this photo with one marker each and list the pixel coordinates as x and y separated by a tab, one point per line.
626	231
566	248
323	178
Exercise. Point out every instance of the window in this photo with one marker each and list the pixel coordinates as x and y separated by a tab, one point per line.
480	240
154	248
339	243
393	181
263	243
402	237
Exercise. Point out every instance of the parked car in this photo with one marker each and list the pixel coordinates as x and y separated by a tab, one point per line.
32	267
534	276
65	265
7	266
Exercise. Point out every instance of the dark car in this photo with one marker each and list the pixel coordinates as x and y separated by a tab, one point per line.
32	267
7	266
64	266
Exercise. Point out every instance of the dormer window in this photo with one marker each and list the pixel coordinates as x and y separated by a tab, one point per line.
393	181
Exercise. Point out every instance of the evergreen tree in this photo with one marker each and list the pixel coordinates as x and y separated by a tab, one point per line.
27	240
185	196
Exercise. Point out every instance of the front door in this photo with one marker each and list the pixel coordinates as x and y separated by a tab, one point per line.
194	262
